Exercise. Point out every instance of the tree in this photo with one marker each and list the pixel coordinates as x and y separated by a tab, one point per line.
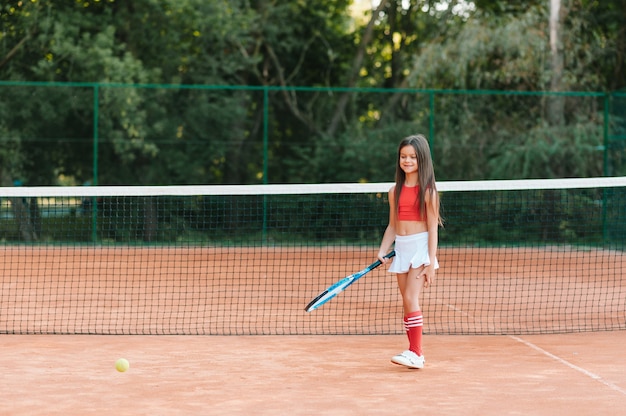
203	135
503	132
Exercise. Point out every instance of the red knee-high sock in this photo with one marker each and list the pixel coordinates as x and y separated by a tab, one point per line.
413	324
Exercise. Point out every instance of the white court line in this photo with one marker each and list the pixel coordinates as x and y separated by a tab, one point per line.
572	366
546	353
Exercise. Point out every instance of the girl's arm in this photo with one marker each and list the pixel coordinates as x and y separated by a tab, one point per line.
432	223
390	232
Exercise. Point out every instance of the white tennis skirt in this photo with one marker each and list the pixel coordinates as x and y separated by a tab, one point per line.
411	252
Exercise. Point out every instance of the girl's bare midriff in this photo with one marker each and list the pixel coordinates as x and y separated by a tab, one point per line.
410	227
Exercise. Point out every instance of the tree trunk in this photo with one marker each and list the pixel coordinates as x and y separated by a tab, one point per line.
556	104
24	225
150	219
21	213
354	72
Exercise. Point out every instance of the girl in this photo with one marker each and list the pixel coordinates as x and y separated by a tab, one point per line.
413	223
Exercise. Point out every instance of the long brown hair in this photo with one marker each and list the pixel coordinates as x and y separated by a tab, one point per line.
425	170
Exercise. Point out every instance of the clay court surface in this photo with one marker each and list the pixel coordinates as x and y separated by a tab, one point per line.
572	374
250	349
121	290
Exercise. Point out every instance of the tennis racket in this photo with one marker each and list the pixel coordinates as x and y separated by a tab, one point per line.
336	288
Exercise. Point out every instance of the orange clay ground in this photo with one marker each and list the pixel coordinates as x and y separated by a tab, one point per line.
110	291
572	374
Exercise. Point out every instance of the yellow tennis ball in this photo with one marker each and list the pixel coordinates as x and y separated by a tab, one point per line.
122	365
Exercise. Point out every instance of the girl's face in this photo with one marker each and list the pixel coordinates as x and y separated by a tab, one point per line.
408	159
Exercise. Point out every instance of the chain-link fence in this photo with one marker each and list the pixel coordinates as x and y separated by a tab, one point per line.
113	134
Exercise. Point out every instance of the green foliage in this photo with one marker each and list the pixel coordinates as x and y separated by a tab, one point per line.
152	135
510	51
485	136
503	53
552	152
501	7
581	217
577	217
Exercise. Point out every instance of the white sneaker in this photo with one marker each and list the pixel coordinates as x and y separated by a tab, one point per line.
409	359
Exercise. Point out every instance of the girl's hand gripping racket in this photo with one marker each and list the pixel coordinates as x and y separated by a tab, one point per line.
334	289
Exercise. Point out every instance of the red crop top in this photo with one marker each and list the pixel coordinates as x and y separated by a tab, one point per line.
408	205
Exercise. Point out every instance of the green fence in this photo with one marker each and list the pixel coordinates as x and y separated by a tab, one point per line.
110	134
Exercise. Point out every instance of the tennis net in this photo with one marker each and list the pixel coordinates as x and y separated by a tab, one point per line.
517	257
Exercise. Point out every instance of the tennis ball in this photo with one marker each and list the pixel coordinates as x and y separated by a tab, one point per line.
122	365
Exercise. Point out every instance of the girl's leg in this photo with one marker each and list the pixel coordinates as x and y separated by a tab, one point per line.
410	285
402	279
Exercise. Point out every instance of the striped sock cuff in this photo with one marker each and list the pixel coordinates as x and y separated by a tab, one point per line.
412	321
